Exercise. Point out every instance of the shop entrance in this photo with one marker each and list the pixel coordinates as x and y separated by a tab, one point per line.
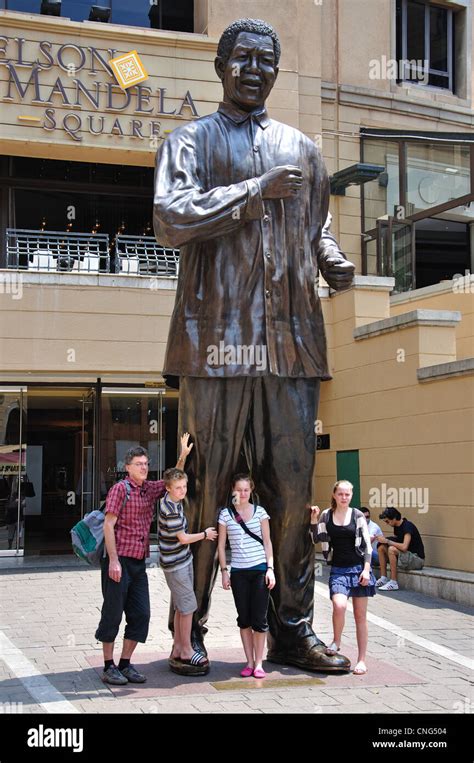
60	462
14	484
62	449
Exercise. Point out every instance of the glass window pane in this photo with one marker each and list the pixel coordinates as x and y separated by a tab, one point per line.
26	6
60	437
437	173
415	31
438	80
130	419
131	14
381	195
12	499
176	16
439	39
402	257
371	248
78	10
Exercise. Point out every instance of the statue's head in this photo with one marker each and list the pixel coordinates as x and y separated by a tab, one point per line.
247	62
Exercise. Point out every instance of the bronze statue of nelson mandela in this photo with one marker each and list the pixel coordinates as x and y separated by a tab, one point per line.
246	200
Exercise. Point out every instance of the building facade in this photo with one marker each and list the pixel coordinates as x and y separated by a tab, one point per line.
385	88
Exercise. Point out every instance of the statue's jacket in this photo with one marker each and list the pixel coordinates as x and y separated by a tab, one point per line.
248	266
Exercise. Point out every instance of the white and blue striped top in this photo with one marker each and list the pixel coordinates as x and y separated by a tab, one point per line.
245	551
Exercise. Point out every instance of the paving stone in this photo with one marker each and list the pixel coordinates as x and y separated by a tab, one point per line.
51	617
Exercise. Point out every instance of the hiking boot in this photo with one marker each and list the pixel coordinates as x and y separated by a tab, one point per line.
132	675
114	676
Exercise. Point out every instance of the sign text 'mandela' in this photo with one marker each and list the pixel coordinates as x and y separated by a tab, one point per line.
26	83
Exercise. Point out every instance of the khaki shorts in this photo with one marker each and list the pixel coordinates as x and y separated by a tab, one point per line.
181	584
407	560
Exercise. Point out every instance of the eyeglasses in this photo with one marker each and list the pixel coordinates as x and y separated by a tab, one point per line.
141	464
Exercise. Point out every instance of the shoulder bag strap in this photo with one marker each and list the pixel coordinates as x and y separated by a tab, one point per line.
235	515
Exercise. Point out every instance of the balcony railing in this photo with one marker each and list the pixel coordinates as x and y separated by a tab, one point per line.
143	255
62	251
58	251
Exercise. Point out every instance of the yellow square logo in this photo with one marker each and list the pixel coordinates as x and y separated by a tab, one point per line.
128	69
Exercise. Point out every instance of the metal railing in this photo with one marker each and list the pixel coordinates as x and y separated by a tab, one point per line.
62	251
142	255
57	251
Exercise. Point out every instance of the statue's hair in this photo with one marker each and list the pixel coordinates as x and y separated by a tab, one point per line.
256	26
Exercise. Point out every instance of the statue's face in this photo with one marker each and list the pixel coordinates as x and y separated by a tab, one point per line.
250	73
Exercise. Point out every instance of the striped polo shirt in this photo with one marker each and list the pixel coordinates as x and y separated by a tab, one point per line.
171	521
245	551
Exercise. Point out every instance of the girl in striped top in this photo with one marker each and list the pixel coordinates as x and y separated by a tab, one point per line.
252	576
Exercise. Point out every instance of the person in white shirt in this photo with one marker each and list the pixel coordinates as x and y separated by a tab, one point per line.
251	576
374	530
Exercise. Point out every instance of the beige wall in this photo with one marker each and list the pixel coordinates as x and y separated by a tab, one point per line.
408	434
452	295
354	34
178	62
85	325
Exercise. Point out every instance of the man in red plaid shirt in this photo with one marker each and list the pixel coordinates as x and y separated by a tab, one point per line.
129	513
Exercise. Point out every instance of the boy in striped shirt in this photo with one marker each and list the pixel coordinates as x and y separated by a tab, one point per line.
176	561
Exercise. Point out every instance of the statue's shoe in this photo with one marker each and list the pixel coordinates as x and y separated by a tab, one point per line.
307	654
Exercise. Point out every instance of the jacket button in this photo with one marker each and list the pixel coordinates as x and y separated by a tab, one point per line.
268	293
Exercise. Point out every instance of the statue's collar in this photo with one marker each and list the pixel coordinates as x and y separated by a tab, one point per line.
238	116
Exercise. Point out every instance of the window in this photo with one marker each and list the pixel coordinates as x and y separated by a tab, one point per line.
425	35
416	214
174	15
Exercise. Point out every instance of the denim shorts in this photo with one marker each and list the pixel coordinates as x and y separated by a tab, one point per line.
345	580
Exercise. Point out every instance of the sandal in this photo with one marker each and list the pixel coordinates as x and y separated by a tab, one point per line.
198	660
360	669
259	673
246	672
332	649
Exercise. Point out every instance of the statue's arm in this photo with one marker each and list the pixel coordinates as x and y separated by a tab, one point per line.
183	211
336	269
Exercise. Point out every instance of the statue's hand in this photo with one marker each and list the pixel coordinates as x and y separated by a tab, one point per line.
281	182
338	272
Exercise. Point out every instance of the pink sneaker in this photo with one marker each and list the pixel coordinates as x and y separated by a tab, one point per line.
246	672
259	673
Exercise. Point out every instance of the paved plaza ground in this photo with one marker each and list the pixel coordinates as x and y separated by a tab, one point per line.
420	654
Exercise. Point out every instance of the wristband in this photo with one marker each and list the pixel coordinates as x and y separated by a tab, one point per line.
225	569
270	568
205	534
